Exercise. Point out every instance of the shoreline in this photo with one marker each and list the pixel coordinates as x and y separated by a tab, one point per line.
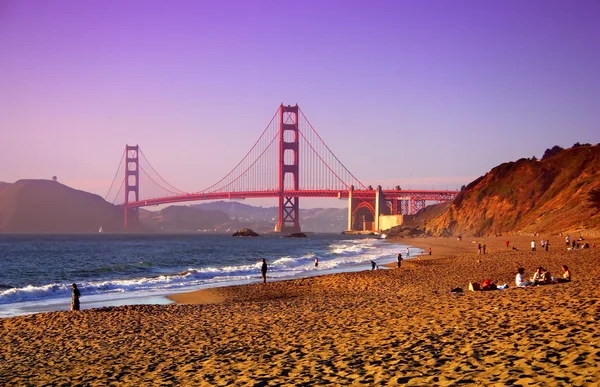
397	326
161	297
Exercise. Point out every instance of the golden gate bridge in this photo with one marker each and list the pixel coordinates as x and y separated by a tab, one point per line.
289	161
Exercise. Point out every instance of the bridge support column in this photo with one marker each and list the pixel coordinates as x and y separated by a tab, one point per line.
289	164
132	185
379	200
350	208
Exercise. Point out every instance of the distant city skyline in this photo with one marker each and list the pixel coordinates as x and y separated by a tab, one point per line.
421	94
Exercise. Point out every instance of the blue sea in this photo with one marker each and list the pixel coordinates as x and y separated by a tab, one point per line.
36	271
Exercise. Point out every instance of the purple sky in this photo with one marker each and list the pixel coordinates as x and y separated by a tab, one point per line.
430	94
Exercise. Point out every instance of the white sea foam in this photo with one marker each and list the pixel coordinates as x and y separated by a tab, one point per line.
351	254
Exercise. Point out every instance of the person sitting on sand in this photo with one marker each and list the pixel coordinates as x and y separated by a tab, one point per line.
515	249
566	274
519	281
537	276
488	284
545	277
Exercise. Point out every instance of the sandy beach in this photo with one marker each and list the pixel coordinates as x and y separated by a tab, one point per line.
385	327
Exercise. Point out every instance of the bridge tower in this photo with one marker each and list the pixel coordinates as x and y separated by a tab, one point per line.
288	220
132	185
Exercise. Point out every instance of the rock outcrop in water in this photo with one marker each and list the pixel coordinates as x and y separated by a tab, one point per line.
297	235
245	232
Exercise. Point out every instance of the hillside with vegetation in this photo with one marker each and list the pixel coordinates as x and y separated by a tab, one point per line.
558	193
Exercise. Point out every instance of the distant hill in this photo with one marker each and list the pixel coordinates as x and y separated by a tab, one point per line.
265	218
183	218
47	206
559	193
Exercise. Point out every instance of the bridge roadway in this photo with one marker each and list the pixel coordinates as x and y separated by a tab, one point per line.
356	194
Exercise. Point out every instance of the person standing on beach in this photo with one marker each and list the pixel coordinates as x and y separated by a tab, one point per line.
373	265
479	249
483	248
430	251
400	259
75	297
408	252
546	245
507	243
532	245
263	270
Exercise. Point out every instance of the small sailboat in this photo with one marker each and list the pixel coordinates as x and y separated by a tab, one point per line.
100	229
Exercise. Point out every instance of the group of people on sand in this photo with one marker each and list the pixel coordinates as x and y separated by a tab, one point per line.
541	277
574	244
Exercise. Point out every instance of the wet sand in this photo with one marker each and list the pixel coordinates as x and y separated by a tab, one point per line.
386	327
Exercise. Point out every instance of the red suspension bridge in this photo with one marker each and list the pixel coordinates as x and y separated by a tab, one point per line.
289	161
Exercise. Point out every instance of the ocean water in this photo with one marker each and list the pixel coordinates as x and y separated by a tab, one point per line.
36	271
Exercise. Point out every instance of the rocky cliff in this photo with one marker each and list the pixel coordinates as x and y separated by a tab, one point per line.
559	193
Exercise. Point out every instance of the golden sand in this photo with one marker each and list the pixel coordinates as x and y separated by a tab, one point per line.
385	327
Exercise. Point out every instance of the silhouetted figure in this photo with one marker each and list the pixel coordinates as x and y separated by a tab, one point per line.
263	270
400	259
316	262
483	248
373	265
430	251
75	297
546	245
507	243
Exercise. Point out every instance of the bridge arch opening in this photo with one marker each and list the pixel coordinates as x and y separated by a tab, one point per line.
363	217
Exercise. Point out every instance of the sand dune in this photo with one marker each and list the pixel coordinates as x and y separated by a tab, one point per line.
397	326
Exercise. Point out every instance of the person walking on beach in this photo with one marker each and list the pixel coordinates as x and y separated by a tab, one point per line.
546	245
483	248
408	252
479	249
316	262
507	243
430	251
400	259
532	245
75	297
263	270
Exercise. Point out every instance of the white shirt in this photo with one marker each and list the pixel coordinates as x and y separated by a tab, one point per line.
533	244
519	279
